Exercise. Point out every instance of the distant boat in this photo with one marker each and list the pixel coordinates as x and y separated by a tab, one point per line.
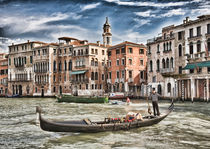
13	96
88	126
81	99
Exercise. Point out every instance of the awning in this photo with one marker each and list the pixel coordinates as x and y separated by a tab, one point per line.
189	66
200	64
77	72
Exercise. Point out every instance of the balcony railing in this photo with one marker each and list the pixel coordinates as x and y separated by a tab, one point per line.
109	81
19	65
81	66
19	80
122	80
117	80
130	80
167	70
82	80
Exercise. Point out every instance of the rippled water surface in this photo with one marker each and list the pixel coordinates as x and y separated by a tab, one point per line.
187	127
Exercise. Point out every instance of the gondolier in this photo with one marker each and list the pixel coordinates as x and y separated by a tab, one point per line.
154	97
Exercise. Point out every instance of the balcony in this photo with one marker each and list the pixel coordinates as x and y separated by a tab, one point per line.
82	80
130	80
117	80
122	80
142	80
19	65
194	37
167	70
109	81
20	80
81	66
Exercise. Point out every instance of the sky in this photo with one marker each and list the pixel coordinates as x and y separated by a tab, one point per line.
131	20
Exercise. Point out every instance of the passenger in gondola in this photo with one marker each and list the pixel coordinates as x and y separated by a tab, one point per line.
154	97
131	116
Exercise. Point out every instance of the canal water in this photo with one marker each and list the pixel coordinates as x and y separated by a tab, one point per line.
188	126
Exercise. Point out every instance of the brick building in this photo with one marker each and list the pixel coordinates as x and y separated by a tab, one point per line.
3	74
126	67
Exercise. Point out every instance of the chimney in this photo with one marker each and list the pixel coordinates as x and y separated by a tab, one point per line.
184	21
28	41
98	42
187	19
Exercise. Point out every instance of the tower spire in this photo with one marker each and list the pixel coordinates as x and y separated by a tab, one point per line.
107	35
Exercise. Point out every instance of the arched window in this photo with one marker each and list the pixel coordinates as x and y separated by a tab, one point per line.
158	65
158	48
167	46
92	62
65	65
60	66
191	48
180	50
96	75
70	65
163	63
96	62
92	75
172	62
54	66
198	46
169	87
159	89
167	63
150	66
170	45
164	47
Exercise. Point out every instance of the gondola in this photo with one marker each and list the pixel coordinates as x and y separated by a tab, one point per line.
88	126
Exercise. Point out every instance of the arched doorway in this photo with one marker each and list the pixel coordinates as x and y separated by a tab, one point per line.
20	89
42	91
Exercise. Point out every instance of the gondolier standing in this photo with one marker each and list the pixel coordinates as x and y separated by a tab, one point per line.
154	97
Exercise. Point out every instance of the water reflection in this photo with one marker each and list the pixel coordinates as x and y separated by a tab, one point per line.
187	127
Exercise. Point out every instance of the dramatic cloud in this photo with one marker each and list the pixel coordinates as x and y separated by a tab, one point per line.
130	20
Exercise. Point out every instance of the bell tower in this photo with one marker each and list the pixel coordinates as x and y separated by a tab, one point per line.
107	35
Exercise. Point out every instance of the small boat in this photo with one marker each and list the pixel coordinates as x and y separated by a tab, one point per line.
81	99
13	96
88	126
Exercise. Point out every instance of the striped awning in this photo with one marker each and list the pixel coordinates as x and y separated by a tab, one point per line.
77	72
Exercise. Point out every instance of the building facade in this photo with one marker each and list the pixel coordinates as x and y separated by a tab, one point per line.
3	74
20	68
190	74
126	68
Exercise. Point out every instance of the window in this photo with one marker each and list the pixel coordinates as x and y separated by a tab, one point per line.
179	35
110	63
164	47
191	70
117	51
123	61
102	77
154	79
170	45
96	75
191	48
96	86
60	66
167	63
60	51
208	28
110	75
38	52
180	69
102	52
150	64
141	62
92	75
142	74
96	63
123	50
191	32
31	59
149	50
86	86
92	86
158	65
123	73
130	50
92	62
96	51
118	62
86	51
9	61
198	31
74	53
172	63
130	61
130	74
92	51
109	53
180	50
70	65
78	52
164	35
141	51
65	65
199	70
36	89
118	74
208	44
169	87
198	46
208	68
158	48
